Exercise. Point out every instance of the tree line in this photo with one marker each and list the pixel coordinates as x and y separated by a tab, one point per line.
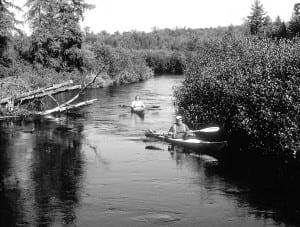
57	41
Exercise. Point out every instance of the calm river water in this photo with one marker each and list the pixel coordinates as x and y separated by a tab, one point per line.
92	169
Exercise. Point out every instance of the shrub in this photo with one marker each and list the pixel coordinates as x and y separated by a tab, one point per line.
123	66
164	61
251	87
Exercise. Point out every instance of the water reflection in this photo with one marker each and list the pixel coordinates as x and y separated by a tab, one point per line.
10	192
48	171
269	206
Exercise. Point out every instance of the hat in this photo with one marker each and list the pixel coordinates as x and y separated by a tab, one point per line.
178	118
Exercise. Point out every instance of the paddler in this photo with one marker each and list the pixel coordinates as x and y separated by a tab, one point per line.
138	103
180	130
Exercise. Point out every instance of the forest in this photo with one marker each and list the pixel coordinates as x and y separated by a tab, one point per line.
244	78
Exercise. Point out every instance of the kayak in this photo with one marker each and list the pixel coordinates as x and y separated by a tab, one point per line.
194	144
138	110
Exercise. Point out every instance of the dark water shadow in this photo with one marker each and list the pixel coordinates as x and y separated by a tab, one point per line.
280	206
50	189
10	191
57	170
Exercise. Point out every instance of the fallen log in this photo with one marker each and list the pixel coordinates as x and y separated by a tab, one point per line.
39	92
8	117
63	108
47	93
54	110
67	105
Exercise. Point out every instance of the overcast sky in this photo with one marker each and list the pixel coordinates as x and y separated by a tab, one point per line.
143	15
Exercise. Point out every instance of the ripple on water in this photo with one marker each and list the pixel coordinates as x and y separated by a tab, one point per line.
157	218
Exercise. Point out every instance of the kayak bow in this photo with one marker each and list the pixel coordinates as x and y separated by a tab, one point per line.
138	110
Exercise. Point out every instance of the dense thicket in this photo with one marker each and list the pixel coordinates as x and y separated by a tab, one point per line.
56	38
56	50
122	65
8	24
251	86
178	39
164	50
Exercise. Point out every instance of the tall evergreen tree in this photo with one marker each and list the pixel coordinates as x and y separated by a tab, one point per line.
56	34
278	29
294	24
8	24
257	20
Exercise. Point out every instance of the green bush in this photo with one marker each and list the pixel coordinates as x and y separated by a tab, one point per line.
122	65
164	61
251	87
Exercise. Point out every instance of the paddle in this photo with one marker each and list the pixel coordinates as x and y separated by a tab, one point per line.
209	129
150	133
125	106
147	108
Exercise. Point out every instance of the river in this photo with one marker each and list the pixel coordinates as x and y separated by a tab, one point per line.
91	168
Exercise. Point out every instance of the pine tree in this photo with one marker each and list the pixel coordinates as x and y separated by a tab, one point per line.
294	24
257	19
278	29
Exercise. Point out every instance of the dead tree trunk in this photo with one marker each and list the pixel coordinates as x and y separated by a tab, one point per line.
41	92
50	91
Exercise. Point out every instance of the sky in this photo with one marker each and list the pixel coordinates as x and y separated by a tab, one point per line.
144	15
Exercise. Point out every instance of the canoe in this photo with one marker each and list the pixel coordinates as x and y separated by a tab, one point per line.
138	110
194	144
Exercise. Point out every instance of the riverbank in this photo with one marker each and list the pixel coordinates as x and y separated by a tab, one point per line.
12	87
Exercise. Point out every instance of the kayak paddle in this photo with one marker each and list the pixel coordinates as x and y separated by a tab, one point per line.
150	107
209	129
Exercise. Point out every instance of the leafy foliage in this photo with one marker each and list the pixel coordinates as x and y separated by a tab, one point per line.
251	86
179	39
57	39
279	29
163	61
294	24
123	65
8	24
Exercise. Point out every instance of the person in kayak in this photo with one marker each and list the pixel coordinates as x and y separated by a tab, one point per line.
180	130
138	103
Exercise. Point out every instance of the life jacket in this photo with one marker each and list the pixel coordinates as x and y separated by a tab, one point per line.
181	131
138	103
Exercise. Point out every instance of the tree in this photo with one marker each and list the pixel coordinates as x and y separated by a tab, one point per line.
56	37
294	25
278	29
257	19
8	24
